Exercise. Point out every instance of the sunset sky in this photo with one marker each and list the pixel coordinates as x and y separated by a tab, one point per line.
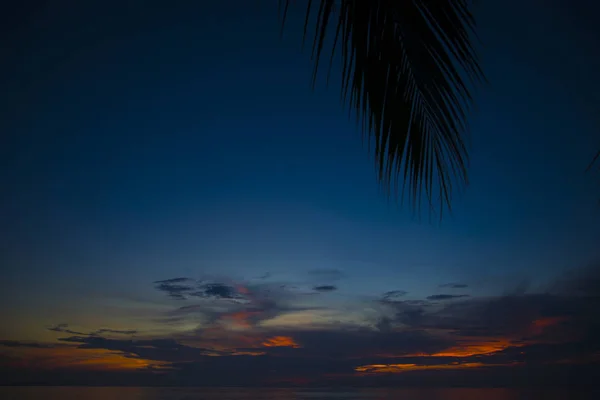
179	207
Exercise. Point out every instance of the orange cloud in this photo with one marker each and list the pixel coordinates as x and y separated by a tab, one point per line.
467	346
76	358
476	346
472	346
280	341
398	368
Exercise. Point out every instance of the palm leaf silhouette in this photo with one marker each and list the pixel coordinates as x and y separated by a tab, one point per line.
594	163
406	70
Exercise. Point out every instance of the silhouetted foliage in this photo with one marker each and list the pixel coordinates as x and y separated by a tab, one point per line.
594	163
406	70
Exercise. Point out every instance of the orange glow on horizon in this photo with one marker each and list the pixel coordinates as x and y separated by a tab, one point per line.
77	358
280	341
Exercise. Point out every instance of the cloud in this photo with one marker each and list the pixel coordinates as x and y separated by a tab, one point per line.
520	318
19	343
384	324
580	282
454	286
64	328
266	275
325	288
344	356
423	340
367	343
340	343
163	349
117	331
172	289
174	280
393	296
280	341
217	291
244	305
392	341
446	296
175	289
327	274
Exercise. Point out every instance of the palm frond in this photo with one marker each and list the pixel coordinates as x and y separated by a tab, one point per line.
593	162
406	69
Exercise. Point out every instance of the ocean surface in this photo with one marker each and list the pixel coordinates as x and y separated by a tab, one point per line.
120	393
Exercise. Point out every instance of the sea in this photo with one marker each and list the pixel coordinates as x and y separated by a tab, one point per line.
153	393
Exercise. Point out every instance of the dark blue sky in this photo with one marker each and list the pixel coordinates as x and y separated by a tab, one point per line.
161	141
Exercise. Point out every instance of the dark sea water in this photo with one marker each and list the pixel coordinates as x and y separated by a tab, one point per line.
109	393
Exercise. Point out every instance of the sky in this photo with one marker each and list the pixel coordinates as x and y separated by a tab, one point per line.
178	206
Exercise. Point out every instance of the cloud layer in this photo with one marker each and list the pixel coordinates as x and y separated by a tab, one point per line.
276	333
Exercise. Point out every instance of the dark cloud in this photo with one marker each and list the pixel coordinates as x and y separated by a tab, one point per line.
322	354
64	328
416	303
191	309
356	343
420	333
393	296
217	291
325	288
174	280
174	290
411	317
384	324
327	274
446	296
530	332
524	316
581	282
324	358
341	343
454	285
166	350
170	320
19	343
471	317
117	331
395	293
